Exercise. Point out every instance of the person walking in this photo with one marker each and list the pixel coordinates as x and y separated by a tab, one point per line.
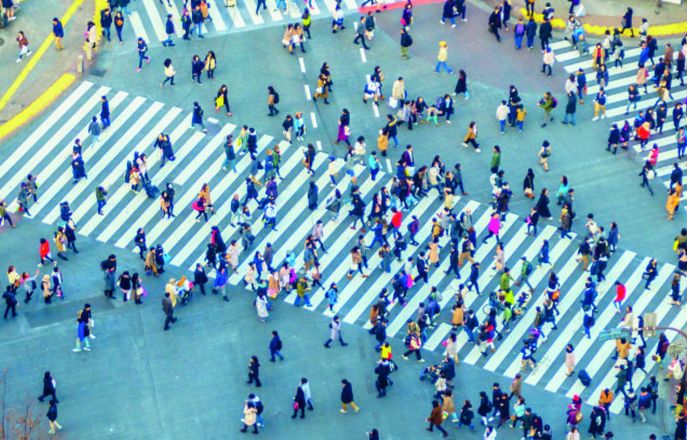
347	397
197	118
254	371
23	43
170	31
335	332
168	308
250	417
275	346
49	387
406	42
52	417
442	58
272	100
104	112
58	33
169	73
142	49
436	418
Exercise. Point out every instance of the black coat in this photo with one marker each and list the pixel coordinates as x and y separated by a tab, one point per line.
347	393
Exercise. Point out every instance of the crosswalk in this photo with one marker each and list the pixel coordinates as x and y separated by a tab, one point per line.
137	121
620	78
148	17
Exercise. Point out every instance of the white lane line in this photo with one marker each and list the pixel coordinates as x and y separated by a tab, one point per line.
133	205
63	109
212	146
313	118
433	341
251	6
216	17
302	64
273	11
424	290
224	210
154	17
363	57
236	17
564	336
308	96
383	279
137	25
333	250
388	165
524	322
62	160
375	109
100	166
319	145
604	319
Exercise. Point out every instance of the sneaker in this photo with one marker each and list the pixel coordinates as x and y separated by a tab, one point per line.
477	150
76	350
87	349
92	336
343	411
357	409
465	145
138	69
595	118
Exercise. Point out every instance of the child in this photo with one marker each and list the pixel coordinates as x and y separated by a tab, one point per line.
520	114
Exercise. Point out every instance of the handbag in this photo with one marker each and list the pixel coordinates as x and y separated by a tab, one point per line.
393	102
295	405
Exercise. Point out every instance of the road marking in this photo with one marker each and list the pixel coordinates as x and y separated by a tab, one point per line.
388	165
236	17
375	109
363	57
313	118
308	96
319	145
251	7
137	26
216	17
302	64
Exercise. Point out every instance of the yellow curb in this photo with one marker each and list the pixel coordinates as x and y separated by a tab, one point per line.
656	31
48	97
37	55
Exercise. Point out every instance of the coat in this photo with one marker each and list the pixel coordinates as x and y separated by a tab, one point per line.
436	417
249	415
347	393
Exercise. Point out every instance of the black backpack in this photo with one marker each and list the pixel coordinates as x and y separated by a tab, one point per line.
276	98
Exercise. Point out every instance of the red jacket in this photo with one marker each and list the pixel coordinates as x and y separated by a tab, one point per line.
396	219
44	249
620	292
643	133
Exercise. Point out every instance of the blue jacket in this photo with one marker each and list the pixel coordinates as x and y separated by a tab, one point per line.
58	30
169	27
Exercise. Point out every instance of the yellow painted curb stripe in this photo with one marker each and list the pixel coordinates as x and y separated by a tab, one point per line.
37	55
48	97
656	31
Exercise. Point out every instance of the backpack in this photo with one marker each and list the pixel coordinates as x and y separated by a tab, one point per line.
276	98
554	102
33	285
103	265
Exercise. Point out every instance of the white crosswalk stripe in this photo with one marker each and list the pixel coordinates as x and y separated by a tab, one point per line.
152	15
199	158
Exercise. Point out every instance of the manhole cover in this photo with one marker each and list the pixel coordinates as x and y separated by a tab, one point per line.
2	41
98	72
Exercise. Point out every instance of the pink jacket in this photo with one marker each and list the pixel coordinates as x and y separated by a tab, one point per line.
494	225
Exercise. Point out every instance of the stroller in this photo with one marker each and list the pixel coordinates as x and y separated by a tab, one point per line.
184	290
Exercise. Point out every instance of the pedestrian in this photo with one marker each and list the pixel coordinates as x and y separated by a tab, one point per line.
142	49
197	118
10	297
57	32
347	397
471	136
104	112
254	371
249	417
23	43
168	308
442	57
49	387
547	61
406	42
272	100
495	23
169	73
335	332
52	417
275	346
436	418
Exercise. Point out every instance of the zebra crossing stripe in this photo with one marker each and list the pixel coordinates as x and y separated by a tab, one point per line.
273	11
603	320
434	280
185	200
137	26
604	352
638	377
575	323
22	151
587	64
236	17
155	19
64	178
284	195
523	324
333	251
643	105
216	18
530	253
561	44
102	165
382	280
133	204
32	161
225	210
99	166
433	341
207	152
251	7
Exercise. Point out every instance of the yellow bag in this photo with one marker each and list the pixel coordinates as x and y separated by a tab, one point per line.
675	243
219	101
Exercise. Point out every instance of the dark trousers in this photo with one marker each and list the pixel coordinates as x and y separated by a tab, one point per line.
253	377
360	37
169	319
12	307
432	426
47	393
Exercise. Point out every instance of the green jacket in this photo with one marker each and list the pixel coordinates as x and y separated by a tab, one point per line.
504	284
496	160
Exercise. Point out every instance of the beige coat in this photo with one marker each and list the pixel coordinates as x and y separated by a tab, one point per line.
249	415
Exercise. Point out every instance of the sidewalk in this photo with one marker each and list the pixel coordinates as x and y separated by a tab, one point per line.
35	19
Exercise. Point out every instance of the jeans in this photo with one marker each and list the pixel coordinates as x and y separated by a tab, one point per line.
101	205
530	42
569	117
142	56
442	64
518	41
274	353
361	38
305	299
199	29
170	79
546	67
119	33
107	33
264	6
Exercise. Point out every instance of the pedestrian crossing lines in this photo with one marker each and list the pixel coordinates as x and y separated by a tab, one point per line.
149	19
620	78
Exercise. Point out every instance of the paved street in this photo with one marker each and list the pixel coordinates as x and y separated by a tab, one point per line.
142	382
